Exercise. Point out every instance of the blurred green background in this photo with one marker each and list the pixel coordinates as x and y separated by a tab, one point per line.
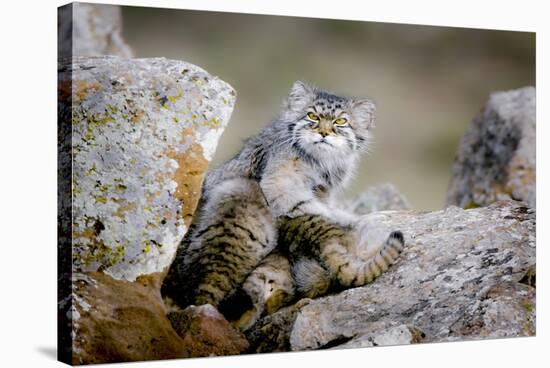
428	82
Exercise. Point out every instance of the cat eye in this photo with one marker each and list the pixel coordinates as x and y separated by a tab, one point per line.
340	121
312	116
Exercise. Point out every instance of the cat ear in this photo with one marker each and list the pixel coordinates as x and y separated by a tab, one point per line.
300	96
363	112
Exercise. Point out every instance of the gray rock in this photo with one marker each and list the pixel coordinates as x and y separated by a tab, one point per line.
396	335
460	277
496	157
383	197
143	133
91	30
507	310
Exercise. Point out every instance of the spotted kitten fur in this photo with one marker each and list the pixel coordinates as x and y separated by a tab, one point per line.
266	230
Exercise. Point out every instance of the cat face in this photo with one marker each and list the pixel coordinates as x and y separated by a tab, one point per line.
326	125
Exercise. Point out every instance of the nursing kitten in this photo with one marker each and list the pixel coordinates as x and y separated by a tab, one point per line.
283	181
268	288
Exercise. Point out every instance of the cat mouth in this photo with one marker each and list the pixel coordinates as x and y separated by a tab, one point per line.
322	141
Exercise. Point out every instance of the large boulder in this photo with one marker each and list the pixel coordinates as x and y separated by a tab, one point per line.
496	157
135	140
464	274
143	133
90	30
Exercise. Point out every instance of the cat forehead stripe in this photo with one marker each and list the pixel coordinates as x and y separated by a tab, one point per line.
322	95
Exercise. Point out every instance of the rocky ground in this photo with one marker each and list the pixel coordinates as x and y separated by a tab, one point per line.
463	275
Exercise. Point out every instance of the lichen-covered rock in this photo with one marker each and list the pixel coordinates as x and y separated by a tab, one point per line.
205	332
461	276
91	30
143	132
383	197
496	157
506	310
120	321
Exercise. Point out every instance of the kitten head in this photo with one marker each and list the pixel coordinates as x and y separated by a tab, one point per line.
324	124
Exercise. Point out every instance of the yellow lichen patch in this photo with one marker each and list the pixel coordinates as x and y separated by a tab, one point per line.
101	199
100	120
113	109
120	188
471	205
98	251
103	188
91	170
527	305
81	88
212	123
89	136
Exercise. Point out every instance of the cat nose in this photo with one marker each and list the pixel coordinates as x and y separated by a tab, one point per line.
323	133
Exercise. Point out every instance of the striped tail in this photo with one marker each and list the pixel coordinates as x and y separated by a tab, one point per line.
387	256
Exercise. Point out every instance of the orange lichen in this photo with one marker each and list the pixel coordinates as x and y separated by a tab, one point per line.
81	88
189	176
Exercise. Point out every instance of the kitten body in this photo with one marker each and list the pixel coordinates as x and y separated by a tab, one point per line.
324	255
285	176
